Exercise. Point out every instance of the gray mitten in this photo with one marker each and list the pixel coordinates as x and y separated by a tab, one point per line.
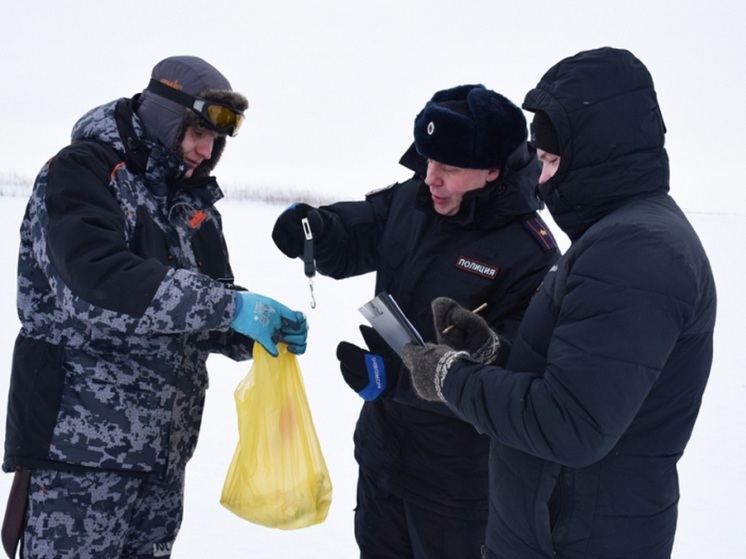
467	331
429	366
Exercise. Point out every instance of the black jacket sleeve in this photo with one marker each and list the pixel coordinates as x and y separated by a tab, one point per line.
87	244
352	232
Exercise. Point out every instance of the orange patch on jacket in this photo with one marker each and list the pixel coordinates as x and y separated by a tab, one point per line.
197	219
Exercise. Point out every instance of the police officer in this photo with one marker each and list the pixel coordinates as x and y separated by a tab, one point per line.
465	225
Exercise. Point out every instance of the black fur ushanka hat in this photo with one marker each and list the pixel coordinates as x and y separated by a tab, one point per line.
469	126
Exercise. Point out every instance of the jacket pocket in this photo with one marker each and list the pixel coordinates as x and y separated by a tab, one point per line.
210	253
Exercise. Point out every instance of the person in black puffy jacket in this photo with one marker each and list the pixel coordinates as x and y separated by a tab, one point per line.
598	398
465	225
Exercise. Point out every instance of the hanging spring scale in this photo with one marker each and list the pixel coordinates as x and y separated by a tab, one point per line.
309	264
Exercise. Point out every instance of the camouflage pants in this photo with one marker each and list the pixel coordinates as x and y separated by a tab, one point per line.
100	515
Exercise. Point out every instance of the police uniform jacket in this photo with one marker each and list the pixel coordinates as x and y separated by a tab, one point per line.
495	250
124	288
599	396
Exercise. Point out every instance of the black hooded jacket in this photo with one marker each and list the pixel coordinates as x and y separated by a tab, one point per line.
604	382
495	250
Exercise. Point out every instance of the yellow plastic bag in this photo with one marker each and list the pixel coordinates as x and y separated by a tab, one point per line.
278	476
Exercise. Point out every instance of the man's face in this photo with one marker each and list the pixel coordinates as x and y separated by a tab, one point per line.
549	165
196	147
448	184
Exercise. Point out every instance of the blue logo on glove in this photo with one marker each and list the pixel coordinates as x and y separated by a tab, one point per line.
263	313
376	377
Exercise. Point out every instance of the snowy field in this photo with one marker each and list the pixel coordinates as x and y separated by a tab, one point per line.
711	471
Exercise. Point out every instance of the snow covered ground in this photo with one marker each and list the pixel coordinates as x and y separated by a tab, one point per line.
711	471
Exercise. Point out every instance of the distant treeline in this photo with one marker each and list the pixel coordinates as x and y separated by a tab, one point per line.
12	185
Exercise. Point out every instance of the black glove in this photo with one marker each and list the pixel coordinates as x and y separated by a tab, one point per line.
429	365
368	372
469	332
288	232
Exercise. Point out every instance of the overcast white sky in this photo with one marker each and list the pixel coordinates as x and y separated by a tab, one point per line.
334	85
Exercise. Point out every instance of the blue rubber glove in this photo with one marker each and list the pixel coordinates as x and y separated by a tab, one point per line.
268	322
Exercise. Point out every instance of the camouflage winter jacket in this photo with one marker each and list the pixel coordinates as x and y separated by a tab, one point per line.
124	288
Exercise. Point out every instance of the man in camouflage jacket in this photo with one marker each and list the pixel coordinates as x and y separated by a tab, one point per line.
124	289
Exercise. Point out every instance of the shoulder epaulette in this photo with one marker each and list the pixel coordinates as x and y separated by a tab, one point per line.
380	190
539	231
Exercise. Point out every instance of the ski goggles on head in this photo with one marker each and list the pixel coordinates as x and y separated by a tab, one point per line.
217	116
